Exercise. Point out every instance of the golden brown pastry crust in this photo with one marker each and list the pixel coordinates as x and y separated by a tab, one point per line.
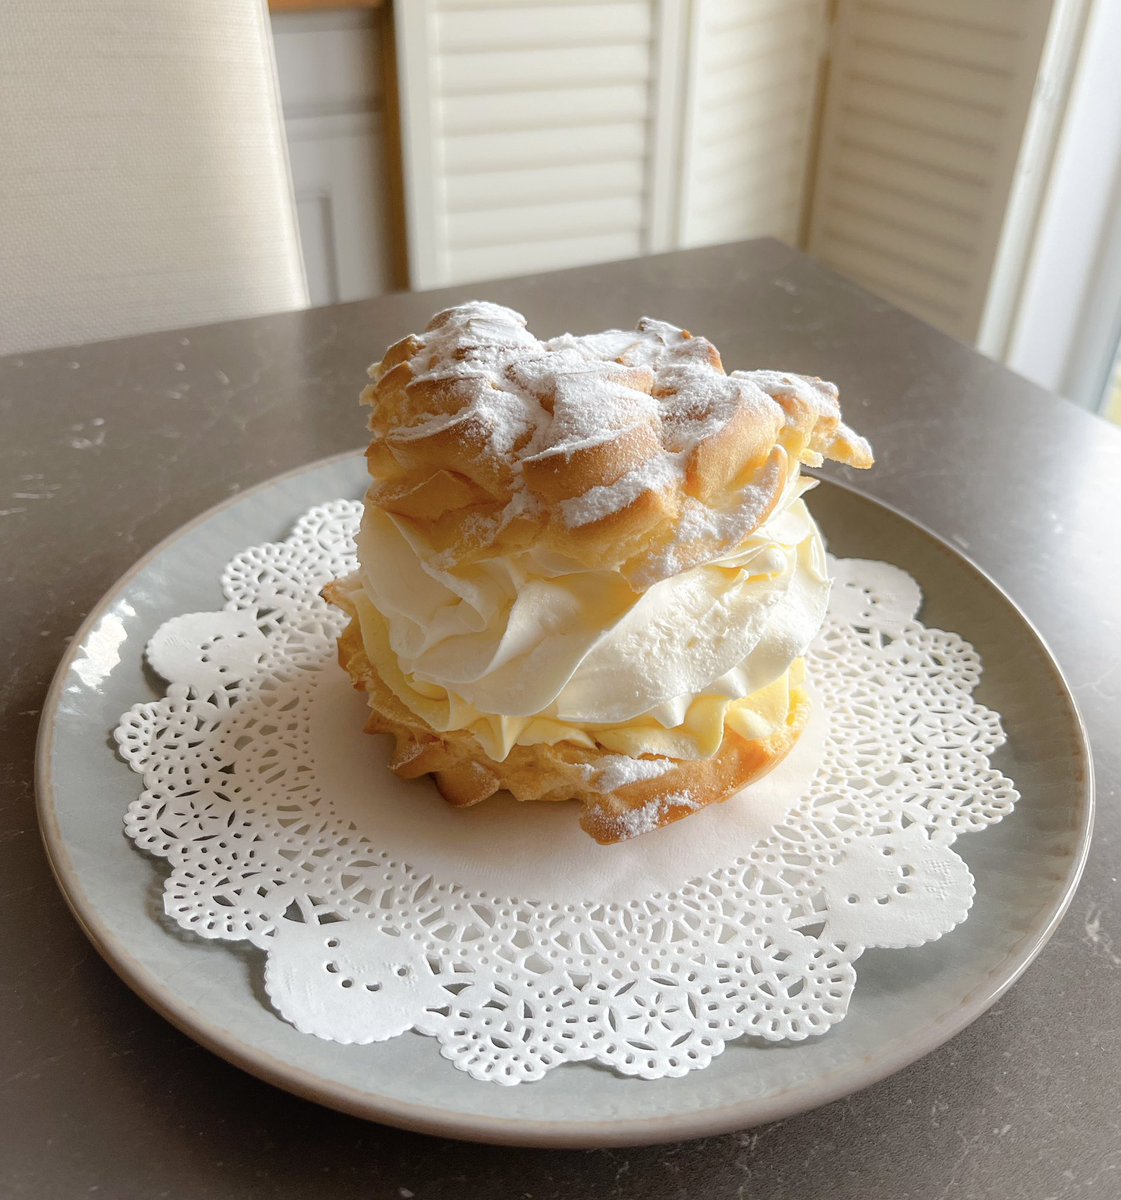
619	450
465	775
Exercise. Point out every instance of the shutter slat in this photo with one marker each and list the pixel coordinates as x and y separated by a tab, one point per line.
721	19
876	268
545	147
511	258
964	90
509	71
547	107
905	178
779	220
961	157
1004	17
754	195
914	249
545	222
486	10
742	47
942	41
777	145
538	185
758	89
925	113
737	130
912	213
526	28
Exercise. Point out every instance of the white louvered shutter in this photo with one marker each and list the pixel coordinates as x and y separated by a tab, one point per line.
752	83
928	114
547	134
528	138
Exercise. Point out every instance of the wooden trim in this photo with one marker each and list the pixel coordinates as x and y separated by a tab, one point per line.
287	6
393	159
827	27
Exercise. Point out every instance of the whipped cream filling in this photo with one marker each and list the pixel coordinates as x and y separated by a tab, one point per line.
530	648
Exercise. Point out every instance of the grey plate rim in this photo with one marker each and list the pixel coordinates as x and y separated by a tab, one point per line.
541	1133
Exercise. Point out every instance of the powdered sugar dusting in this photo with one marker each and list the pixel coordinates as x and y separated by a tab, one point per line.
701	532
647	411
637	821
601	502
617	770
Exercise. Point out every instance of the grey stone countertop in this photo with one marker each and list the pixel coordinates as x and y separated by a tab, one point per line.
107	448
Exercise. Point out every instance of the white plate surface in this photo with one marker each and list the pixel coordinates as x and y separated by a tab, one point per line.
906	1002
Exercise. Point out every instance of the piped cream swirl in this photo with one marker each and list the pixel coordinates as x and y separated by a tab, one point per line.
530	648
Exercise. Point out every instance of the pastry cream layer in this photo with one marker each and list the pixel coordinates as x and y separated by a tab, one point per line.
529	649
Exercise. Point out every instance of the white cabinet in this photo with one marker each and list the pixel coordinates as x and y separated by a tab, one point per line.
330	70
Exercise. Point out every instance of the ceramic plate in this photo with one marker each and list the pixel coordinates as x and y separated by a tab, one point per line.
906	1002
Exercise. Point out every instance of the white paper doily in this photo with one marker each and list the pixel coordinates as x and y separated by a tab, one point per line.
503	930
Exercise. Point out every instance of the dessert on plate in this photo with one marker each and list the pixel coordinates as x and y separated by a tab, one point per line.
586	568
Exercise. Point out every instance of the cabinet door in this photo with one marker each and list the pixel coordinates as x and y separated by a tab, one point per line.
329	65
